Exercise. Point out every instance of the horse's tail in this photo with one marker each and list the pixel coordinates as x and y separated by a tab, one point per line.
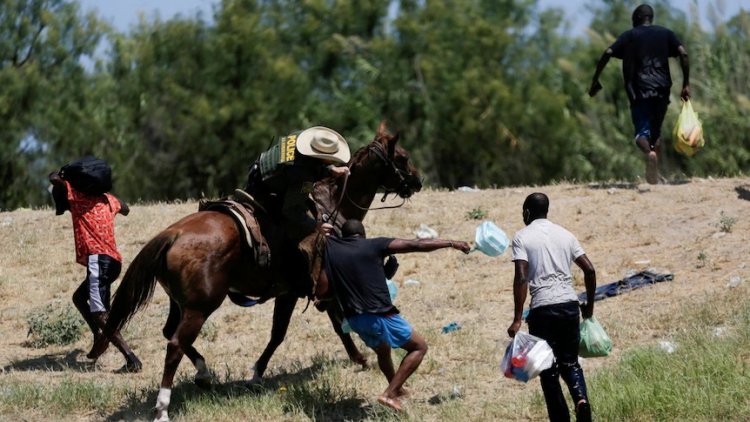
137	286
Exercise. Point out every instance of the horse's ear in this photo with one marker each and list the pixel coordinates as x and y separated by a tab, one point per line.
392	145
382	129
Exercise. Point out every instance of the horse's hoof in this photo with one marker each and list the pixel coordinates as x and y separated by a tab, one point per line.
160	415
255	384
203	383
132	366
98	348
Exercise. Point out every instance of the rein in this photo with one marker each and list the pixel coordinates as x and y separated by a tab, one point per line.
385	207
380	152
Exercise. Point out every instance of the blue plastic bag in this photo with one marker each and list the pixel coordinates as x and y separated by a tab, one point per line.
490	239
392	289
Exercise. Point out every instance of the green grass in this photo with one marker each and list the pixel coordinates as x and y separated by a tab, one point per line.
59	399
705	378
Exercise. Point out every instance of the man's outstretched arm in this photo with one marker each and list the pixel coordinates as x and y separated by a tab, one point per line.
603	60
685	65
425	245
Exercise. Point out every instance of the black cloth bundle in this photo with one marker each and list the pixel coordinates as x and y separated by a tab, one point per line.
89	175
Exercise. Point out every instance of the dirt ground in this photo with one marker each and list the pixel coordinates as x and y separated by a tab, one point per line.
696	230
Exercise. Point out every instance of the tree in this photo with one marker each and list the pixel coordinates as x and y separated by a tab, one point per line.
41	88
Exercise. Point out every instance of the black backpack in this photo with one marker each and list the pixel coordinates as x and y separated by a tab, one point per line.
89	175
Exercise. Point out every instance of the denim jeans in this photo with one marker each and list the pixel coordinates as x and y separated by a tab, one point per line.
648	115
559	326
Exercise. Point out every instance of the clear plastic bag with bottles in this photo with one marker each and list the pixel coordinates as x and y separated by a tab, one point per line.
525	357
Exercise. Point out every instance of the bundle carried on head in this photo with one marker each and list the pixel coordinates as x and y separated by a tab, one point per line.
89	175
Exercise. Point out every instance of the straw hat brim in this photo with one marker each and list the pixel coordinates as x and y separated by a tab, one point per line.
324	143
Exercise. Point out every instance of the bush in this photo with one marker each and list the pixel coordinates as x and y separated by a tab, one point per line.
476	214
59	325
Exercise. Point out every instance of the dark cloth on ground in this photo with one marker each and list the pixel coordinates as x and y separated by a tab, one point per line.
645	52
354	266
635	281
559	326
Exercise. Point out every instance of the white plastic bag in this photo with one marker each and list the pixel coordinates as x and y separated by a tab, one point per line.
426	232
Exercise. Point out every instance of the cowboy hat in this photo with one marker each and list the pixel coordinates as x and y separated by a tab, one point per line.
324	143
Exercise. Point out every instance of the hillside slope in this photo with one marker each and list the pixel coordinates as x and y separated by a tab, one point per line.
622	227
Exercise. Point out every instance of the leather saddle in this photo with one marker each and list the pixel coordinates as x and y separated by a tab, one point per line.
241	206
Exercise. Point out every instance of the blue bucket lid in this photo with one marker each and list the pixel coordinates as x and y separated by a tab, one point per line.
490	239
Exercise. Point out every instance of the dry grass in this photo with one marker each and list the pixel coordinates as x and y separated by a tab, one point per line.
620	226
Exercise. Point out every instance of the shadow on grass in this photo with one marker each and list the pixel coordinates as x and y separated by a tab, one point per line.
52	362
317	402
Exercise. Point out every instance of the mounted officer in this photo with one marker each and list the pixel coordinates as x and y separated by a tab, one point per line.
284	175
282	180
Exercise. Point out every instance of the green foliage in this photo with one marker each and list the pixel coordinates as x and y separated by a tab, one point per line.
726	223
44	91
702	259
54	325
483	93
476	214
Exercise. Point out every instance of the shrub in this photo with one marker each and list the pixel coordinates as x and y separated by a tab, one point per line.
476	214
726	222
59	325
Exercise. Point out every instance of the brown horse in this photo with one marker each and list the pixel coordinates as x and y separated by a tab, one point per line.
200	258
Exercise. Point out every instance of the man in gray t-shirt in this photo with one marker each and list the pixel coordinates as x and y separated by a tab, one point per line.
543	253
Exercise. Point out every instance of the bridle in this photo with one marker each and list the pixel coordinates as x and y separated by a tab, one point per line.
402	186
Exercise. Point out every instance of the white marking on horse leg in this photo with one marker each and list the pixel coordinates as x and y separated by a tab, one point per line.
203	372
162	405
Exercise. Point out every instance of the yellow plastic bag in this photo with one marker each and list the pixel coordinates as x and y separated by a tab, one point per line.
688	132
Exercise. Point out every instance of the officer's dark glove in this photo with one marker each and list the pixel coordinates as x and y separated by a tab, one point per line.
390	267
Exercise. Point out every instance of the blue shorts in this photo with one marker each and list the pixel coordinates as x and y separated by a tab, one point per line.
648	115
377	329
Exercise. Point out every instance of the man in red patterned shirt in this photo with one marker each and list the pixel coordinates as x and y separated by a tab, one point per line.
94	234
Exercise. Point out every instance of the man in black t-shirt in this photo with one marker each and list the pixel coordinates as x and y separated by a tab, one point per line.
353	267
645	51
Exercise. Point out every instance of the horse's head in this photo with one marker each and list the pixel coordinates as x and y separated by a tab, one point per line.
381	165
393	166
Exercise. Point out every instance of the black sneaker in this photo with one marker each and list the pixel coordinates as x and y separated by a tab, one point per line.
583	412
